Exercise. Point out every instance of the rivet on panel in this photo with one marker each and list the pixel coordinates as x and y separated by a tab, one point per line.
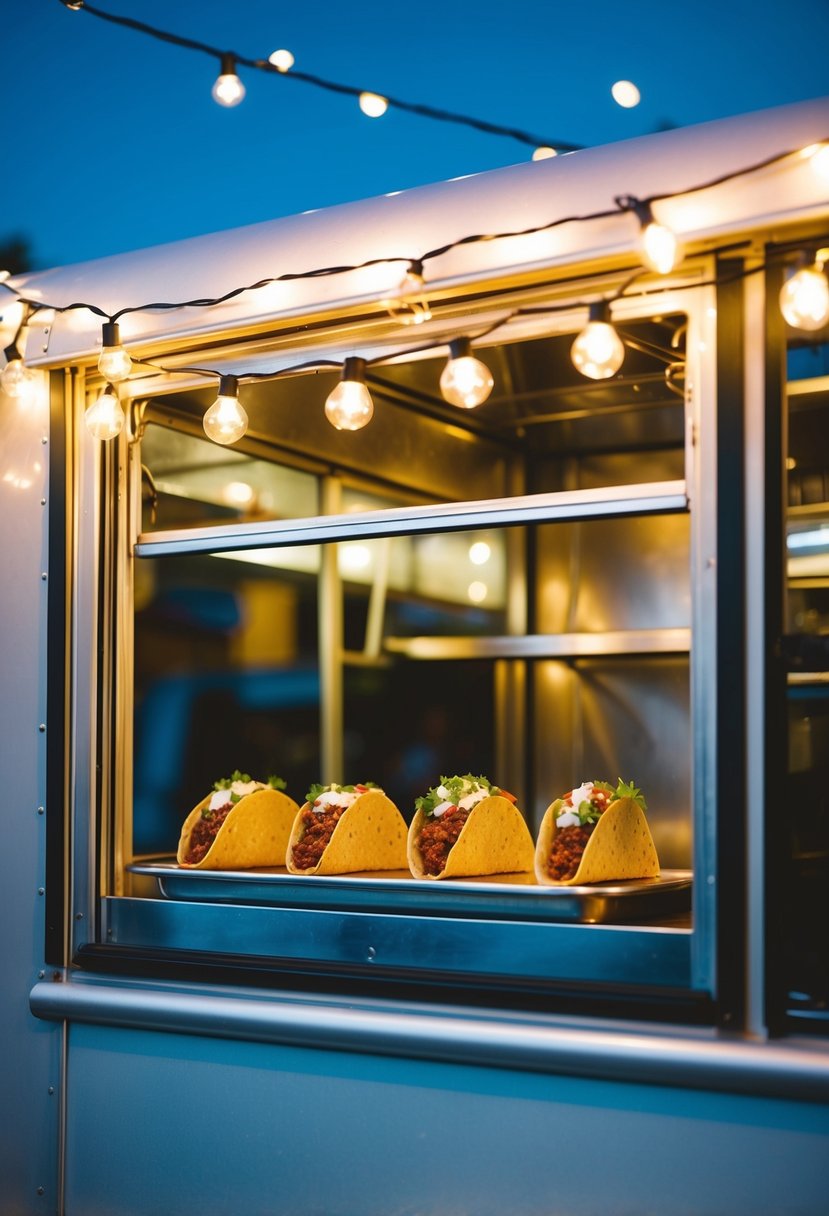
41	1190
43	502
42	727
44	576
41	975
51	1089
79	916
41	810
41	890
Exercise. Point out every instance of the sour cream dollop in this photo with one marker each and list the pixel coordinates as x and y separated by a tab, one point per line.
239	788
568	816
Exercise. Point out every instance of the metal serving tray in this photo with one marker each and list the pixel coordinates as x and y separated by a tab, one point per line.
499	896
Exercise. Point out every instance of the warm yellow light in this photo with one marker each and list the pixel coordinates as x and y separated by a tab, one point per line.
626	94
544	153
114	363
226	420
660	247
465	381
105	418
373	104
16	379
804	298
228	89
350	407
818	156
479	553
477	592
410	304
598	351
238	494
282	60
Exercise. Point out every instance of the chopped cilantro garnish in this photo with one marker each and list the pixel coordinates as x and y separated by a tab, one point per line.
456	788
626	789
276	783
224	783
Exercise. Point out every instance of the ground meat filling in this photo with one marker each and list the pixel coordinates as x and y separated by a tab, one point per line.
438	836
205	832
566	852
318	828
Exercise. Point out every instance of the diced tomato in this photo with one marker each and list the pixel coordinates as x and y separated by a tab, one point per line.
509	797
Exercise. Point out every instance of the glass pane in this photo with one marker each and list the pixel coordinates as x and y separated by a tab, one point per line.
191	482
226	677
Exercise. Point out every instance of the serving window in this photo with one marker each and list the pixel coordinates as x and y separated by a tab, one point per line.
512	591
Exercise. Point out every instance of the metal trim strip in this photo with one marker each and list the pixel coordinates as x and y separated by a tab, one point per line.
648	498
752	1068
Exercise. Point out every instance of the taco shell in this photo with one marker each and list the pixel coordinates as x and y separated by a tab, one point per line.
370	835
620	846
494	840
255	833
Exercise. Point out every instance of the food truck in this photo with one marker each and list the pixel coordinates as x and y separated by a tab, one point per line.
472	479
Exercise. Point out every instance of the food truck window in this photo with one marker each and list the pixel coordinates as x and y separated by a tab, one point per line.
505	592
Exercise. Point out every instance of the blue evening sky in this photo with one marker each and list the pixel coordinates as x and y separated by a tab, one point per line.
113	142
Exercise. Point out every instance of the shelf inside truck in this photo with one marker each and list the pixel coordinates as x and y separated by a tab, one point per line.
498	896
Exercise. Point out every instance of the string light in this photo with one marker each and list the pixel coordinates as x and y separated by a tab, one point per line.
114	363
104	419
350	407
226	420
228	89
598	351
804	298
16	379
625	94
283	67
658	245
410	305
373	105
465	381
282	60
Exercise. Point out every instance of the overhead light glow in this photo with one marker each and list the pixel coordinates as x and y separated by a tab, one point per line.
544	153
350	407
626	94
373	105
105	418
804	298
465	381
226	420
477	592
479	553
282	60
228	89
598	351
114	363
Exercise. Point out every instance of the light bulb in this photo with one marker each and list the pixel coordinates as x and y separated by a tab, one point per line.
105	419
598	351
410	305
282	60
465	381
625	94
349	407
15	378
544	153
659	247
804	298
114	363
226	421
228	89
819	160
373	104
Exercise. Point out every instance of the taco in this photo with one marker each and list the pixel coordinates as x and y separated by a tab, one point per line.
595	833
345	829
466	826
243	823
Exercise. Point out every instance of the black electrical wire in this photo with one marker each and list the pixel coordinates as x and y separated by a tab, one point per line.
623	203
264	65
